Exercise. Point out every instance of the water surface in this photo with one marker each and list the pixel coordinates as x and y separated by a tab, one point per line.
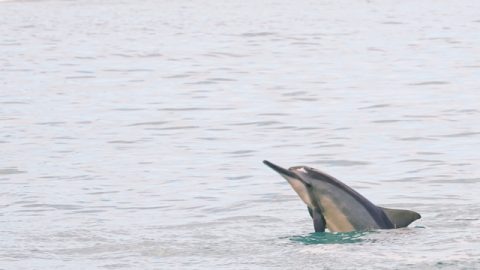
132	132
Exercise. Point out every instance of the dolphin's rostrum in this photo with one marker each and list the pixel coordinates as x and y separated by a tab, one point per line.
336	206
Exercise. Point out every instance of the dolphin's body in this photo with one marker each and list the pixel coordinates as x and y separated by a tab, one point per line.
337	207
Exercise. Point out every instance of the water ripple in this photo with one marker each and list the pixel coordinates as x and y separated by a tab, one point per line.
154	123
194	109
11	171
53	206
342	163
258	34
430	83
462	134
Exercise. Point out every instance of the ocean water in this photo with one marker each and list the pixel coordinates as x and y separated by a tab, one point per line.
132	133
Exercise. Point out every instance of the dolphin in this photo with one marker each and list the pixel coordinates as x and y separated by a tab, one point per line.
336	206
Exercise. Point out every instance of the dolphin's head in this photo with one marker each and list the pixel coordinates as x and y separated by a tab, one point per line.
292	176
302	178
313	176
309	176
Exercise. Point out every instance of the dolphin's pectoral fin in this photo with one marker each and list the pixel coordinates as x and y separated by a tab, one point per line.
318	220
400	218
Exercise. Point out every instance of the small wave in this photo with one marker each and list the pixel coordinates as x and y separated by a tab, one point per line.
53	206
80	77
194	109
417	139
149	123
344	163
376	106
463	134
430	83
386	121
258	34
257	123
122	142
419	160
11	171
392	22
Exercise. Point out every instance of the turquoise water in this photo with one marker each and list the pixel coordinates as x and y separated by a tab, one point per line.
132	132
329	238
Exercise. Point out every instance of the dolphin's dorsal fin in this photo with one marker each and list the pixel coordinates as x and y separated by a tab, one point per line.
399	217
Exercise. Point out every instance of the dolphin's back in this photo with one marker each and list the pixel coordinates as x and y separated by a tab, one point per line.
344	209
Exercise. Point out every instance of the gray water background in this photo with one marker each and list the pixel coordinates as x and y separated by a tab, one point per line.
132	132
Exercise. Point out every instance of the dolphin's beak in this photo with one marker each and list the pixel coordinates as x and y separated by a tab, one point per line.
279	169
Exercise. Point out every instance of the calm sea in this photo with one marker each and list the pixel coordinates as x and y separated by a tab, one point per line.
132	132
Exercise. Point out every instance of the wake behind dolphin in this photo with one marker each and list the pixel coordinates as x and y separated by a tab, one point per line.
336	206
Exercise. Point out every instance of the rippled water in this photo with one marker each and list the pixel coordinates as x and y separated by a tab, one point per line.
132	132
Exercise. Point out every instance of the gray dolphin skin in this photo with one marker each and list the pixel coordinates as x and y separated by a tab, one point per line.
337	207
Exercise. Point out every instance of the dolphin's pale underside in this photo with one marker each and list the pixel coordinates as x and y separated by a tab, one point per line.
336	206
